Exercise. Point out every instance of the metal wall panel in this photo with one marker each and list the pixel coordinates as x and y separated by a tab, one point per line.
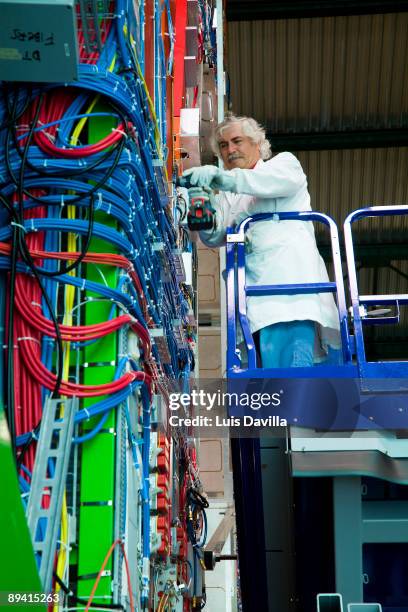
342	181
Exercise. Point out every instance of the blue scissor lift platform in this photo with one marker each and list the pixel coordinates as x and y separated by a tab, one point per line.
317	445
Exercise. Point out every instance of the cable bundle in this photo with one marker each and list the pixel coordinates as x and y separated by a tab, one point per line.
45	176
60	194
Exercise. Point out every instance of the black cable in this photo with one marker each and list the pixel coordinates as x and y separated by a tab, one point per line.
197	498
27	101
117	148
78	600
24	248
15	240
84	248
19	243
10	344
64	173
24	251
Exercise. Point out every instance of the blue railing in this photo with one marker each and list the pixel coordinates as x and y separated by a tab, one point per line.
237	290
388	369
353	352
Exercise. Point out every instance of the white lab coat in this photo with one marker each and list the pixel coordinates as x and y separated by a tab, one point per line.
278	252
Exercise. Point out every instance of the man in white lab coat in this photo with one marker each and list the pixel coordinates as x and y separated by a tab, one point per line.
294	330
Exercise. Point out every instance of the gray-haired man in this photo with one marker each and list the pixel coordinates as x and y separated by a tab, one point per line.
294	330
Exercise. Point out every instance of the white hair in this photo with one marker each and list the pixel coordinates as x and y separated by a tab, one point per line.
250	128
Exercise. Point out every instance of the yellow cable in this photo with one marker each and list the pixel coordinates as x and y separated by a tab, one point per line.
158	139
68	320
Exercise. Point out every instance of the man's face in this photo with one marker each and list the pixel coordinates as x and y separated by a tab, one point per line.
238	150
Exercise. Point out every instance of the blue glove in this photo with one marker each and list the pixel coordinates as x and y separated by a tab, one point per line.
210	176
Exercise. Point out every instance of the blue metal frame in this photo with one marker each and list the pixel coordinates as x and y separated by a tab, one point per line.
236	286
352	345
380	369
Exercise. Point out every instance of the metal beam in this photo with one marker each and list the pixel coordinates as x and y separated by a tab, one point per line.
347	139
245	10
220	535
371	255
347	537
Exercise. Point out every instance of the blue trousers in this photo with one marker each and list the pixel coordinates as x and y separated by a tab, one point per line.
287	345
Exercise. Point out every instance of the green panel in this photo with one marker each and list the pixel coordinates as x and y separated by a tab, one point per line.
98	454
96	376
17	562
98	480
94	544
103	350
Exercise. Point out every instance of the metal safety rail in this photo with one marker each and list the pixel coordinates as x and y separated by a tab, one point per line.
379	369
237	291
354	363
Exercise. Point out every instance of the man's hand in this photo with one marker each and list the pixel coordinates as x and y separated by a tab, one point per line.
201	213
210	176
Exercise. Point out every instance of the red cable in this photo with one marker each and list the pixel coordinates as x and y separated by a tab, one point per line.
37	370
102	258
79	333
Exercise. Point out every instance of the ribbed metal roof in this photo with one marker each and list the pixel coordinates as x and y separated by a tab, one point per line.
327	73
331	74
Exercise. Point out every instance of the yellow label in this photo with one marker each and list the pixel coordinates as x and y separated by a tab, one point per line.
8	53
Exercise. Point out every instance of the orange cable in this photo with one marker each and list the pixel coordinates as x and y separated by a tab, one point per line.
105	561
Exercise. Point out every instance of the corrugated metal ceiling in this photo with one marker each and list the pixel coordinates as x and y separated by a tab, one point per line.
331	74
326	73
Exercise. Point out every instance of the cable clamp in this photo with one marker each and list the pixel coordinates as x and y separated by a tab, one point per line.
45	163
19	225
109	209
62	201
87	413
120	132
33	228
100	199
28	338
34	435
36	304
83	284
